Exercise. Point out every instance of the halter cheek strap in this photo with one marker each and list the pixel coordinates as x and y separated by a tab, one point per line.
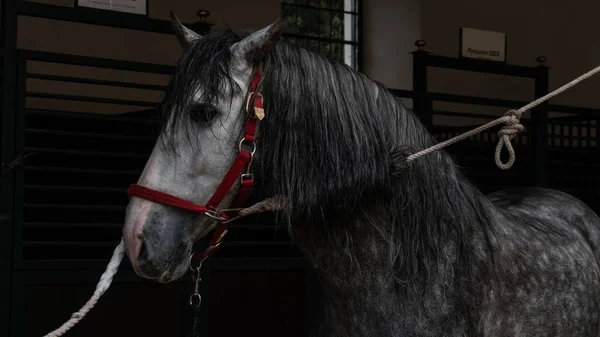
243	160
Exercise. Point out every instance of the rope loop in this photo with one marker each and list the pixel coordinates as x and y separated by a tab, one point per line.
512	126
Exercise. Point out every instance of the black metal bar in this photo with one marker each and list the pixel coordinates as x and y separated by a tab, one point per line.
319	8
359	35
234	227
72	224
584	112
476	100
90	99
318	38
403	93
592	112
463	114
420	100
217	264
539	130
20	148
80	170
87	153
144	115
86	135
95	81
75	273
74	188
94	17
226	244
481	66
51	244
97	62
75	115
79	207
575	118
7	153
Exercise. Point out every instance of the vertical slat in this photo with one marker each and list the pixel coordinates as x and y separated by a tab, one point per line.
19	146
420	88
539	120
585	133
7	153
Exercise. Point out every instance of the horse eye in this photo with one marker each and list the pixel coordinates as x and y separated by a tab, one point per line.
202	113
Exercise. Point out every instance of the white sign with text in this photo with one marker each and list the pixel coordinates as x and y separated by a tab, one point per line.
127	6
483	44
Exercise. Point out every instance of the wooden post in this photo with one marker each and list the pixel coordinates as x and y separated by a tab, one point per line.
539	127
422	105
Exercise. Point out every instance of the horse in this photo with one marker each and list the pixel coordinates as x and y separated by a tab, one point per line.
400	248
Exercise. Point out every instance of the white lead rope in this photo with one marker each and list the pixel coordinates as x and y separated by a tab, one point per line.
270	204
512	126
103	284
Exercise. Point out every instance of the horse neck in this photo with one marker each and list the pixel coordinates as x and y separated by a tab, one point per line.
435	217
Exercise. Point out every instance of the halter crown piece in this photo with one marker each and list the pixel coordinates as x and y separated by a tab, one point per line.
242	161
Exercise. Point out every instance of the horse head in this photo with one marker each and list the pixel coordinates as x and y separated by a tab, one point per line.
204	118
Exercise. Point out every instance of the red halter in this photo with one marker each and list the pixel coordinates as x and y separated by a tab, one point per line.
244	159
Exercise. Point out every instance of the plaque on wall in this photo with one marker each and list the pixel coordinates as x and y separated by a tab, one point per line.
482	44
125	6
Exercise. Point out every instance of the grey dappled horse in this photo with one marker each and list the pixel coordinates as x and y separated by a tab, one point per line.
401	249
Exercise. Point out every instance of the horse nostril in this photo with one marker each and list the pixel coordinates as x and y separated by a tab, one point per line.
145	264
143	254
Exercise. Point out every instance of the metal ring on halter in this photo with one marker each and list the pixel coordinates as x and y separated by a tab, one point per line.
253	145
199	300
215	215
230	210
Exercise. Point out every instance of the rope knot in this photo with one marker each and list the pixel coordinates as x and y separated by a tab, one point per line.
512	126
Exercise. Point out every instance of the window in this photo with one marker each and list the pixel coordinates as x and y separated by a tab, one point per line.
326	27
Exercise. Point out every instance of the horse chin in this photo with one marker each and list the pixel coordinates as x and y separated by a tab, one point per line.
175	270
180	264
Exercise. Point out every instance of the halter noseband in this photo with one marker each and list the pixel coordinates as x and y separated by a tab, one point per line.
243	160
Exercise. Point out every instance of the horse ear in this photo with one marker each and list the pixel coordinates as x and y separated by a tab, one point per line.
259	42
184	34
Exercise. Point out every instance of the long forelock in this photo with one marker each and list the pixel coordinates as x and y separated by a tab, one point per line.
204	67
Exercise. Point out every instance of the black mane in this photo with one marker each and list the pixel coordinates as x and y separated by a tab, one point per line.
334	143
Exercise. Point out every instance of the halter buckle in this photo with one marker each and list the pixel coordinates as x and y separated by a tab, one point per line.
259	112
